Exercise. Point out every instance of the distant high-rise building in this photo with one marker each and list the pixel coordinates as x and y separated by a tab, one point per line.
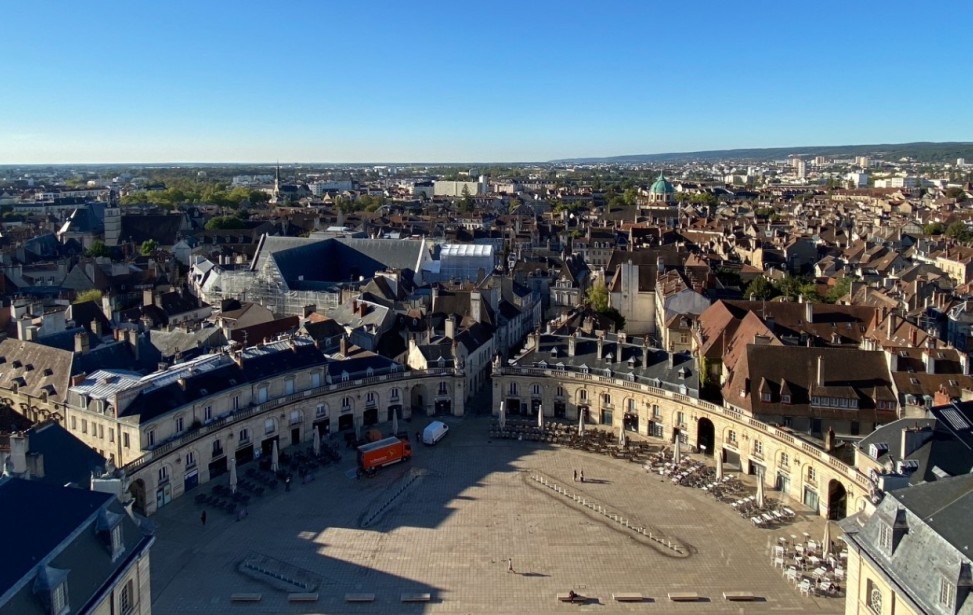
800	168
862	161
820	161
113	220
961	162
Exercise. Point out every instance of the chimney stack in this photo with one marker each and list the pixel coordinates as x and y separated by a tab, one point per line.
820	379
476	306
81	343
829	440
451	327
572	344
343	346
601	345
96	327
147	297
645	351
18	455
809	312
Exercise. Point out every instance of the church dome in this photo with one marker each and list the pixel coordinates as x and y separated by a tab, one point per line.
661	186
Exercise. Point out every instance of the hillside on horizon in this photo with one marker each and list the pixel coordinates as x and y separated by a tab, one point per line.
922	151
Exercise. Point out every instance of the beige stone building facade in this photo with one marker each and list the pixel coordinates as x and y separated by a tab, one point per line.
796	468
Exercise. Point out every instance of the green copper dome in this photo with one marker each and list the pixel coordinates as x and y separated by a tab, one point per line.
661	186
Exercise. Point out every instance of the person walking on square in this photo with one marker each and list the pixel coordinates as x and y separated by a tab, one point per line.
575	476
202	517
510	564
582	476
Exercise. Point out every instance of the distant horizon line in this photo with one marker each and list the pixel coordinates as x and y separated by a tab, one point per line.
561	160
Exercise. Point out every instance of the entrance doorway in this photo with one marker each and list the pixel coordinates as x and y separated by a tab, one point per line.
346	422
444	406
295	435
631	422
267	446
137	489
837	500
190	480
370	417
244	455
163	495
560	409
705	436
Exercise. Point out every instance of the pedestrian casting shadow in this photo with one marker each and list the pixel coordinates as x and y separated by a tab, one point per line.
597	481
533	574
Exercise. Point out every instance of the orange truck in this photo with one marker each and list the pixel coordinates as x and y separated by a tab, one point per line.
375	455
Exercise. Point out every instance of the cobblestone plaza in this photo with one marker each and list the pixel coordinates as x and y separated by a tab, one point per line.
449	522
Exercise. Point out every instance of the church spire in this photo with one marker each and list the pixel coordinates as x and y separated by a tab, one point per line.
277	181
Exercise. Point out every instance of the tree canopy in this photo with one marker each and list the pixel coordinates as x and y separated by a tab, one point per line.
88	295
98	248
148	247
224	222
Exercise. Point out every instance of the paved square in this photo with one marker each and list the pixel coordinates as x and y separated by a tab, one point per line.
451	531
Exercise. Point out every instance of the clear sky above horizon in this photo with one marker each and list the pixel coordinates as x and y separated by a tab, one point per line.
221	81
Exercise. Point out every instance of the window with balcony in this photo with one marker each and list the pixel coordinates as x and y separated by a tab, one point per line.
269	426
583	395
163	474
535	389
606	399
190	459
394	395
295	417
244	435
443	389
289	386
681	418
784	460
315	379
812	475
731	437
345	404
512	389
560	392
320	411
217	448
150	436
371	399
179	424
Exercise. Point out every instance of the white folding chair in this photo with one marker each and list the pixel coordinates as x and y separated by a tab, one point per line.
805	587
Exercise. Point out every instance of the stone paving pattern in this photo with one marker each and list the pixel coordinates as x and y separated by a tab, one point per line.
452	534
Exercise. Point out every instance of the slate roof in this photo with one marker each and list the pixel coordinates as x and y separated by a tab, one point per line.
322	262
60	526
163	228
657	372
934	545
258	363
66	458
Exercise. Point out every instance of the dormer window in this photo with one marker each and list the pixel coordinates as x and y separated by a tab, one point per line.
947	594
51	586
885	537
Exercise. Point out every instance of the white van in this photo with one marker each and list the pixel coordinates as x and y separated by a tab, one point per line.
434	432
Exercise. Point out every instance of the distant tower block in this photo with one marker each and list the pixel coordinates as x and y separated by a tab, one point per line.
113	220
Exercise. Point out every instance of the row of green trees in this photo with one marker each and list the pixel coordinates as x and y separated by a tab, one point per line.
794	288
183	192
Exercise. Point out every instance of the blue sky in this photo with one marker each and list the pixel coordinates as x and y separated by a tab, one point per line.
361	81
